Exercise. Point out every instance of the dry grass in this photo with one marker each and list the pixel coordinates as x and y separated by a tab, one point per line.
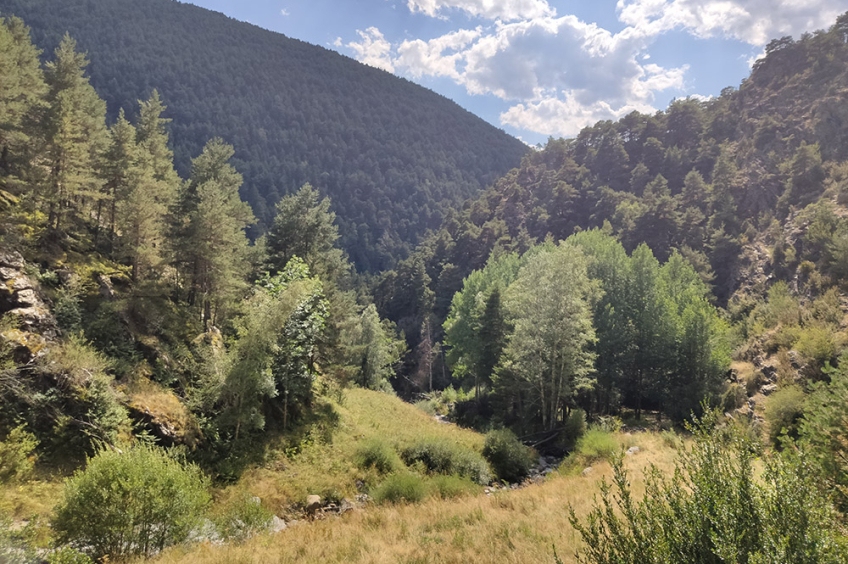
324	462
511	526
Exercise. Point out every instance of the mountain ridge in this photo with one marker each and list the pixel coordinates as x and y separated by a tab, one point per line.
392	156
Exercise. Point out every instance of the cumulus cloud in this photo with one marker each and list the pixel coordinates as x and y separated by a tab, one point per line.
373	49
753	21
563	116
560	73
507	10
564	73
436	57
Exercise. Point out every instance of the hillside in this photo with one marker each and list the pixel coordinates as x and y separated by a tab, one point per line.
704	177
393	156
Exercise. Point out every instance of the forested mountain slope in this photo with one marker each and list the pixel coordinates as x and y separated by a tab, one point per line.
392	156
706	178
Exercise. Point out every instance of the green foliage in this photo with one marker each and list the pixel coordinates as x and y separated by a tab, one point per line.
393	156
510	459
242	517
784	409
15	545
130	503
596	445
82	408
68	555
401	487
17	455
439	456
376	454
824	431
304	227
466	327
549	350
819	345
573	428
452	486
209	238
713	510
374	348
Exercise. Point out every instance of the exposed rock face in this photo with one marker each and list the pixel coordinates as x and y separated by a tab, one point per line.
34	325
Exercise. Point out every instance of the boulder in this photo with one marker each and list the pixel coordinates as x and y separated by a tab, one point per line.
313	504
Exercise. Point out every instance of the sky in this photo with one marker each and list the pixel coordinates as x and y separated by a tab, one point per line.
541	68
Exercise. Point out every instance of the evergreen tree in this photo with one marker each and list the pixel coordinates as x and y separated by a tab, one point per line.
76	136
304	227
210	242
21	102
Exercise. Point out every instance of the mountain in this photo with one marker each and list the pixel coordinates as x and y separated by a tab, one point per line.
749	186
392	156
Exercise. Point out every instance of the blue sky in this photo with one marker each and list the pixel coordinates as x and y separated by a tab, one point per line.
540	68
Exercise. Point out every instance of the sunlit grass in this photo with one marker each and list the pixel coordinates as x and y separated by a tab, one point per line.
509	526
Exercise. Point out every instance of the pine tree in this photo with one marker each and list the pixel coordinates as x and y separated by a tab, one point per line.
21	101
304	227
76	136
210	245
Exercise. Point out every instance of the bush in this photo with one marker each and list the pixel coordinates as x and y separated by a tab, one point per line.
510	459
17	455
376	454
402	487
597	445
449	487
438	456
783	412
712	508
131	503
573	429
242	517
68	555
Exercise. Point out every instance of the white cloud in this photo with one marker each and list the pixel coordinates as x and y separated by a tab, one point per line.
373	49
563	116
753	21
436	57
285	13
564	73
507	10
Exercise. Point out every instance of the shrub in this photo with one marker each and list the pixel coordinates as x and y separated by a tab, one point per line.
242	517
17	455
596	445
68	555
448	487
712	508
783	412
438	456
130	503
573	429
376	454
510	459
401	487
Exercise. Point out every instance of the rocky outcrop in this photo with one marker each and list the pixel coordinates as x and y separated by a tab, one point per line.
33	326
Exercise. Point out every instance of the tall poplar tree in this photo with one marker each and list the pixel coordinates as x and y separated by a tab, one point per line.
549	351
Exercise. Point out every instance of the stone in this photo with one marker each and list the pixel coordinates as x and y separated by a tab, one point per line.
586	471
277	525
633	450
313	504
